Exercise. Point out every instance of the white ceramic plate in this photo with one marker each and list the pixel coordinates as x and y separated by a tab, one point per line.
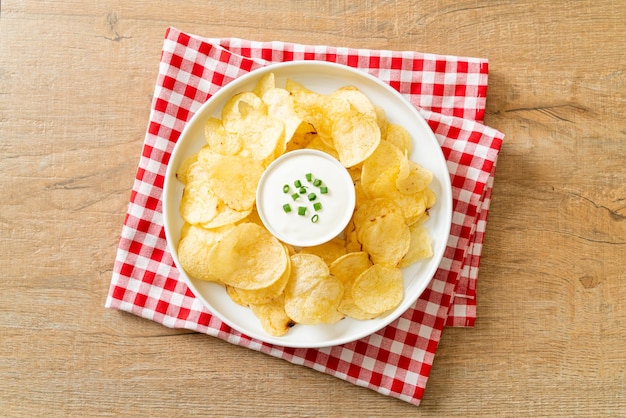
323	78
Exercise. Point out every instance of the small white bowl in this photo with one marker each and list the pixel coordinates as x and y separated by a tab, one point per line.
286	200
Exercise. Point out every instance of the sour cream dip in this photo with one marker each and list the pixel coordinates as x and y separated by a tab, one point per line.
305	198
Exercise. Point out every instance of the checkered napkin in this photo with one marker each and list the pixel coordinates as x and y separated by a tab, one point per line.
450	94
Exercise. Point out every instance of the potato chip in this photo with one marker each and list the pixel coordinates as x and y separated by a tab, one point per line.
199	204
312	295
420	248
273	317
181	173
352	242
357	100
193	250
328	251
378	289
207	157
280	106
219	139
381	121
384	161
355	137
234	180
261	137
225	216
349	266
382	231
265	294
266	83
307	269
238	108
400	137
412	177
248	257
301	137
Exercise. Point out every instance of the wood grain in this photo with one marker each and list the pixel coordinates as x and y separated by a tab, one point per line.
76	80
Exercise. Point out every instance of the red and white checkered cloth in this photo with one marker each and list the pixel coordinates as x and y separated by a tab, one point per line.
450	94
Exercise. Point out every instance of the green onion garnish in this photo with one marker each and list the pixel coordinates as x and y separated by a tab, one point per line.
301	210
287	208
295	196
315	218
312	197
286	188
297	183
317	206
323	190
302	190
317	183
309	177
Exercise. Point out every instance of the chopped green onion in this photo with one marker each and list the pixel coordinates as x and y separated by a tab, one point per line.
315	218
301	210
323	190
286	188
317	206
302	190
309	177
297	183
312	197
287	208
317	183
295	196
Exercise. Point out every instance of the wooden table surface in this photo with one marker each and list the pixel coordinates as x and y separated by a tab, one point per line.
76	81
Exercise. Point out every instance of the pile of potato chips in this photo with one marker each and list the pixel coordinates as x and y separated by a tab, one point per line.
358	274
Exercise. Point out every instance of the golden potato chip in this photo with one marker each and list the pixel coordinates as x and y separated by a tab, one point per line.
355	137
266	83
197	172
238	108
248	257
382	231
328	251
234	296
219	139
312	295
234	180
199	204
318	144
280	106
193	250
261	136
381	120
385	162
226	215
400	137
265	294
301	137
357	100
273	317
181	173
349	266
207	157
420	248
306	270
352	242
412	177
429	198
378	289
317	306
